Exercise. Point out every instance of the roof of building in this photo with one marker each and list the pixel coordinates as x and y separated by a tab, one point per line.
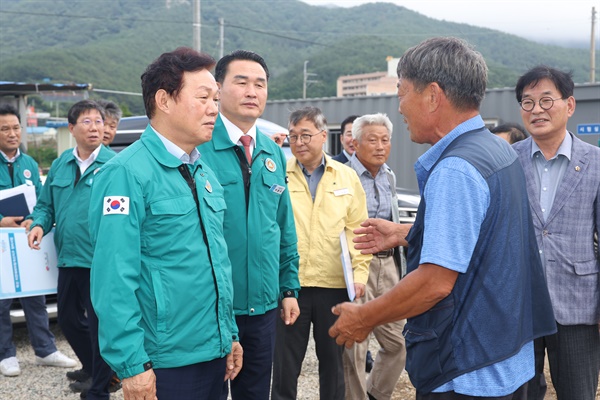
24	88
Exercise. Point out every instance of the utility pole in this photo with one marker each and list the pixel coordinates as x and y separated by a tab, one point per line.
197	26
221	36
306	80
593	48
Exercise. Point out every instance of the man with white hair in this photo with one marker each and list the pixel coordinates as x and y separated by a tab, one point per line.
371	139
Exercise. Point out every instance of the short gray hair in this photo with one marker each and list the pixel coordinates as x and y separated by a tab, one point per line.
111	110
312	114
452	63
370	119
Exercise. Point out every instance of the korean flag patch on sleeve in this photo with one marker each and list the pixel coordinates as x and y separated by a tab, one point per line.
116	205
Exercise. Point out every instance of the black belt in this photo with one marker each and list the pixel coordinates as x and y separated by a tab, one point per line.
384	254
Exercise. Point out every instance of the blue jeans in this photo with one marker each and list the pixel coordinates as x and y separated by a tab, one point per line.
36	317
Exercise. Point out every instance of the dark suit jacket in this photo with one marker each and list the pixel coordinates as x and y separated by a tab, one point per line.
340	158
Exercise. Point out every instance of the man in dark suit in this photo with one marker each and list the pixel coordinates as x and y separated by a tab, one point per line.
563	184
346	139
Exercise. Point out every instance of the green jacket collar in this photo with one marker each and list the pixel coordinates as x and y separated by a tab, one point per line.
156	147
104	155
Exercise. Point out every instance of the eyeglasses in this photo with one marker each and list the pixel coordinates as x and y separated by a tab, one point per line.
88	122
545	103
7	129
304	139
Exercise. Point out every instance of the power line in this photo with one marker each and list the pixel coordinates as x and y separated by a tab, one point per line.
279	36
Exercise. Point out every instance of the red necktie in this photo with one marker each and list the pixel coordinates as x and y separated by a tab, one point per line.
246	140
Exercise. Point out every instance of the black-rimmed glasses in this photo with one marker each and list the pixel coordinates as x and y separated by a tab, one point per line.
545	103
304	138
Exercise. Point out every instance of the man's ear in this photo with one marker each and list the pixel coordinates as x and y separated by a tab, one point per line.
434	94
570	106
162	100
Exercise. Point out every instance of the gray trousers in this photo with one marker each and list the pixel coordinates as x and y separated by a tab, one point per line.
574	359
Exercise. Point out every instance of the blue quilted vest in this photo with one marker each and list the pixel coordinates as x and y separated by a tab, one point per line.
502	301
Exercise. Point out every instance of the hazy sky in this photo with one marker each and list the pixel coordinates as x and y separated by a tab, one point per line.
562	21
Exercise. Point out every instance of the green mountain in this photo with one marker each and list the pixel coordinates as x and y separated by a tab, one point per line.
109	42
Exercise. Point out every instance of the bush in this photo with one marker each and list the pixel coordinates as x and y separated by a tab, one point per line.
43	153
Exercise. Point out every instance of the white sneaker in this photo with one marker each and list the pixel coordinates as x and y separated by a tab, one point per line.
10	366
56	359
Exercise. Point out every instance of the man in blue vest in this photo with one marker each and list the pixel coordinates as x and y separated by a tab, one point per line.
474	298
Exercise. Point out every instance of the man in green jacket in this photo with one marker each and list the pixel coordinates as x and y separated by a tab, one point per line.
161	278
18	169
65	200
259	222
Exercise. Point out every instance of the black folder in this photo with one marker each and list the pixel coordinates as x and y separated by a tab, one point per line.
14	206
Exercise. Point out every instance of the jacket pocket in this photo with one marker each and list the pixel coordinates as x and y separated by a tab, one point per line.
427	342
276	185
228	177
213	220
61	182
422	347
586	267
173	206
215	203
159	296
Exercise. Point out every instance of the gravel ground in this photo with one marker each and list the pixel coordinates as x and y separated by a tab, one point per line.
49	383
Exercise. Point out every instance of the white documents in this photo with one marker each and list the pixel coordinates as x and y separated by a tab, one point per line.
25	272
347	265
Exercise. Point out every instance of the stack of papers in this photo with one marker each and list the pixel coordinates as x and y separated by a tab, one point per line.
347	265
